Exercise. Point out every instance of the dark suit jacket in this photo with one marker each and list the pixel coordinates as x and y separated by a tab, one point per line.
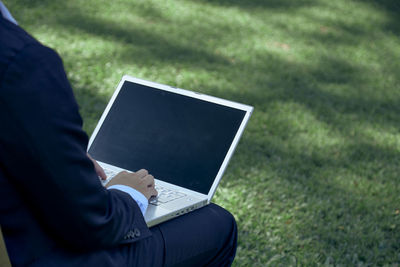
50	196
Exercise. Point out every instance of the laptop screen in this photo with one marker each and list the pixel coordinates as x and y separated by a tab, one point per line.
178	139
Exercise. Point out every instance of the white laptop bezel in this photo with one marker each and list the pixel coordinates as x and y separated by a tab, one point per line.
212	99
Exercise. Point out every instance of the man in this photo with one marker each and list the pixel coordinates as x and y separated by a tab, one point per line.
54	210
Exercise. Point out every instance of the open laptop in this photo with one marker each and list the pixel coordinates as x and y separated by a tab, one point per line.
183	138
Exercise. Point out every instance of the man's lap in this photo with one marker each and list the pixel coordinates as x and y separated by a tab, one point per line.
193	239
198	237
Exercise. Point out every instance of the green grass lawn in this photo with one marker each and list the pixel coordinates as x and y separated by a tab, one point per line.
315	179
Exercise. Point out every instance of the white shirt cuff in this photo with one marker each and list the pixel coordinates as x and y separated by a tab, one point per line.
6	14
140	199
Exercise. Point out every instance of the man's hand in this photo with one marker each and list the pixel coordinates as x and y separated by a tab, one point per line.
141	180
99	170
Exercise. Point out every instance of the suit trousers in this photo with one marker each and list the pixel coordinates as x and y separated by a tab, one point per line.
204	237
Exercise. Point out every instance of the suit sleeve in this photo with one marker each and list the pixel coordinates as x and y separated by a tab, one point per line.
46	157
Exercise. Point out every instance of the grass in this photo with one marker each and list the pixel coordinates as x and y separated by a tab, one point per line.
315	180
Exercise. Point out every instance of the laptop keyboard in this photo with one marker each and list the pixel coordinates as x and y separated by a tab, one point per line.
165	195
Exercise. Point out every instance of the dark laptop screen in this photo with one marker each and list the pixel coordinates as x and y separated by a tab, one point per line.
178	139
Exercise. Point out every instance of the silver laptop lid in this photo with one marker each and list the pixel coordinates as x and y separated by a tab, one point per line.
181	137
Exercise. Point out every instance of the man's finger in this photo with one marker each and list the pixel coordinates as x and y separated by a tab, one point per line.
154	193
149	180
142	173
99	170
151	193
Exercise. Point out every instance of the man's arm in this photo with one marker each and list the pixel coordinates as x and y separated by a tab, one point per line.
46	157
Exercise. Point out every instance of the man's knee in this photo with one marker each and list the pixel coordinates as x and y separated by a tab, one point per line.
206	236
226	229
224	216
226	224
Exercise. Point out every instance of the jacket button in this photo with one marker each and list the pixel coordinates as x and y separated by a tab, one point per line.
137	232
129	235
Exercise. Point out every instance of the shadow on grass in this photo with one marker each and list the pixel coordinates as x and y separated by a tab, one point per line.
142	45
37	3
270	4
289	82
392	8
344	222
303	84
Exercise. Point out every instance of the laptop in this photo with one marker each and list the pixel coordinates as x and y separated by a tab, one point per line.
183	138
